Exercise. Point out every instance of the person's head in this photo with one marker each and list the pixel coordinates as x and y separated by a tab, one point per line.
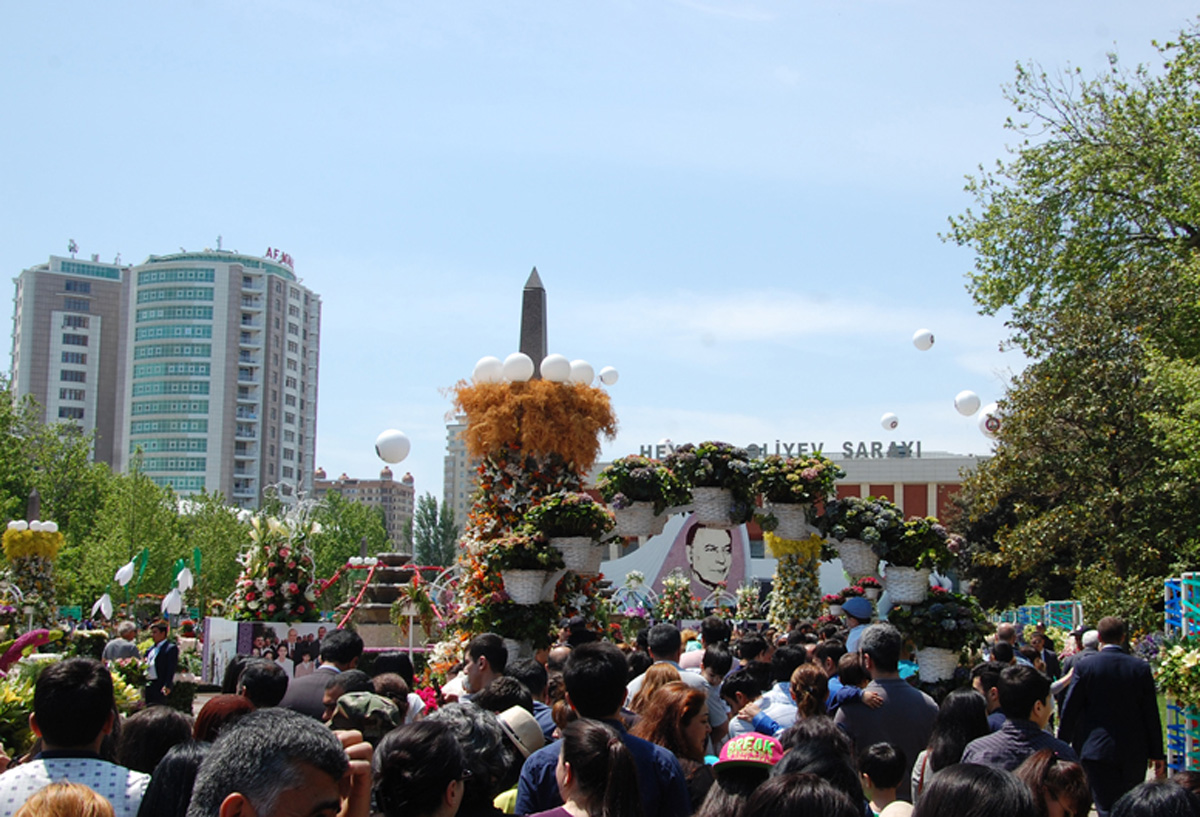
530	673
881	766
822	757
784	662
217	713
985	679
880	646
745	764
1059	787
489	754
148	735
858	610
595	680
800	793
503	693
419	770
366	712
676	718
961	718
971	790
1037	640
1157	798
171	784
809	686
851	671
159	630
72	704
342	648
710	553
752	648
354	680
263	683
714	630
1111	630
1091	639
740	688
1007	633
392	686
715	663
1025	693
127	630
827	654
820	735
522	731
394	661
270	761
658	676
486	659
596	770
233	672
1003	653
665	642
638	662
65	799
1189	780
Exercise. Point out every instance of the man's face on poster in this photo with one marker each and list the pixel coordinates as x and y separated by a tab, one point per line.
711	556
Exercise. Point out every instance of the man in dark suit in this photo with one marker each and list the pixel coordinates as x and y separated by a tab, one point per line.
161	663
1111	718
1040	642
340	651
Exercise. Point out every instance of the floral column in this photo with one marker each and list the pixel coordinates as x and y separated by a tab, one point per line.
796	589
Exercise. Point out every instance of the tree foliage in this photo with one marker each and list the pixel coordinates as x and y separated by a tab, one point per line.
435	535
345	524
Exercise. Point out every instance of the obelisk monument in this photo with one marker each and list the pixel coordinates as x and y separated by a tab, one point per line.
533	321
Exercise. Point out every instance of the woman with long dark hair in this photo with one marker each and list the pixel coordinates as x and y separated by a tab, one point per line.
419	771
1058	786
970	790
676	718
596	774
961	718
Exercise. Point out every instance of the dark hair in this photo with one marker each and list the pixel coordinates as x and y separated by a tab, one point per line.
603	767
784	662
392	686
352	680
161	626
530	673
714	630
263	755
800	793
961	718
491	756
1003	652
595	679
1189	780
667	714
263	682
851	671
988	673
831	649
170	788
491	647
1049	776
394	661
638	663
750	647
147	736
219	712
72	700
504	693
742	681
717	658
731	790
1021	686
233	671
822	733
413	765
809	686
341	647
971	790
664	641
882	642
814	757
1111	629
1156	798
884	764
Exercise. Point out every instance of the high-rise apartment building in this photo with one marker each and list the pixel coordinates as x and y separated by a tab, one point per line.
459	477
395	499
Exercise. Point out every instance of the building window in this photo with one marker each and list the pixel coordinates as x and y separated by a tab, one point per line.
76	304
287	472
271	450
83	287
293	329
293	347
75	357
71	394
74	340
289	454
289	399
72	376
289	418
75	321
70	413
289	382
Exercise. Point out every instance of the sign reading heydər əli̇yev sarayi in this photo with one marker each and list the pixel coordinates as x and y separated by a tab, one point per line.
851	450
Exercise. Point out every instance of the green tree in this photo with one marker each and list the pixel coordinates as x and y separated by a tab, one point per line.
213	528
345	523
435	535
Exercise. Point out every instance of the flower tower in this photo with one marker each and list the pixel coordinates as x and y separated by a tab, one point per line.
31	548
277	581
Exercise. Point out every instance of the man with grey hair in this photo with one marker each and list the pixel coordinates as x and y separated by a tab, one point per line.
123	645
905	718
489	754
279	763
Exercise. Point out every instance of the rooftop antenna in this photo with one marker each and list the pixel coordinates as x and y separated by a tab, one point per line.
117	260
218	243
72	247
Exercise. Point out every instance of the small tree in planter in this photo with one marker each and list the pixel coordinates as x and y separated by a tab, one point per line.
864	529
790	486
722	481
568	514
640	490
871	587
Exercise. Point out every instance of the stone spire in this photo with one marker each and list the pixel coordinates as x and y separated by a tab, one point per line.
533	321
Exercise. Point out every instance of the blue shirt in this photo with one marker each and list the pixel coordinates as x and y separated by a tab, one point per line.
1016	740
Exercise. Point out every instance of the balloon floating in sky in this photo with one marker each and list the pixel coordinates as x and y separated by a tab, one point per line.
989	420
923	339
518	367
556	368
392	446
967	402
889	421
488	370
608	375
582	372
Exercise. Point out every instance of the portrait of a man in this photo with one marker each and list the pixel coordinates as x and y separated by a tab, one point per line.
710	555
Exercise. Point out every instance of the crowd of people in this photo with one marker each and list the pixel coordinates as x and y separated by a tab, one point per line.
715	723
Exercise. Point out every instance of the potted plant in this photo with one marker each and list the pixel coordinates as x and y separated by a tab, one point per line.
871	587
941	627
574	524
921	546
1178	673
864	530
790	486
676	601
748	605
523	560
640	490
721	479
834	602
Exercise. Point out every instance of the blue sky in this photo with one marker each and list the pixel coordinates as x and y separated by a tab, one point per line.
736	204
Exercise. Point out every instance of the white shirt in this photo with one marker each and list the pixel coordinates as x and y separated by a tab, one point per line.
122	787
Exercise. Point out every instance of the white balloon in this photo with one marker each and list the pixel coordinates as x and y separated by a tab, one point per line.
20	524
556	368
582	372
989	420
35	526
172	603
609	375
923	339
392	446
889	421
518	367
124	574
488	370
50	527
967	402
12	525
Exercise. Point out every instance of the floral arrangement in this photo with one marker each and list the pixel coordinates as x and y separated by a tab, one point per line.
795	589
277	582
796	480
1178	672
877	522
952	621
24	543
748	606
31	548
510	483
777	547
718	465
822	621
131	670
868	583
531	622
522	551
635	580
641	479
577	595
187	628
567	513
414	598
851	591
676	601
832	598
922	542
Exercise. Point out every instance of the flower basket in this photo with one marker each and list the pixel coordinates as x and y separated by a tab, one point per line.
792	520
579	553
936	664
907	585
858	558
835	609
713	506
635	479
639	519
568	513
712	465
524	587
872	593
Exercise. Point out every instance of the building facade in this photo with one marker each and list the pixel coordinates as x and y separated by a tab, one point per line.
395	499
459	478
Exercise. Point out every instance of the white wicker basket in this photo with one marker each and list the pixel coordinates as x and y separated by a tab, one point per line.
857	558
639	520
907	585
712	506
835	609
580	553
936	664
872	593
523	586
793	520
